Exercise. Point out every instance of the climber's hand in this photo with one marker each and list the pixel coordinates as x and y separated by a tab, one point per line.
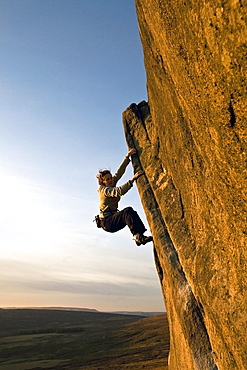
131	152
137	175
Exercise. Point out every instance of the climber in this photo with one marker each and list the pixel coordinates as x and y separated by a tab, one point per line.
110	218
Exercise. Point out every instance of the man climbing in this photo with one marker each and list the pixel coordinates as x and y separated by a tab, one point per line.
111	219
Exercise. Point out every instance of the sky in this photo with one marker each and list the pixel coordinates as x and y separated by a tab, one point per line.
68	69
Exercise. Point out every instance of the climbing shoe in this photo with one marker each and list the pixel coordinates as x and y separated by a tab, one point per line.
142	239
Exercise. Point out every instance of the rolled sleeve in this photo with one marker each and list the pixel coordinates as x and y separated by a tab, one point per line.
118	191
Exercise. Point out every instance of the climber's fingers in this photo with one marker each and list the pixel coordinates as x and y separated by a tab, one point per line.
131	152
137	175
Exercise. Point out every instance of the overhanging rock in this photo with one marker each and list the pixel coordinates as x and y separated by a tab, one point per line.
184	310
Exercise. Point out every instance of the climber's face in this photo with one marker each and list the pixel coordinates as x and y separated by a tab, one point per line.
108	180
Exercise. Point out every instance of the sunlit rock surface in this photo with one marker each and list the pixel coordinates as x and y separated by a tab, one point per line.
191	141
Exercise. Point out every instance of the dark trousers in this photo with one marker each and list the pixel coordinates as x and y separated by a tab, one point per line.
120	219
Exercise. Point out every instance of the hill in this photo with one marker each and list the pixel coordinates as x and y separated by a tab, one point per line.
56	339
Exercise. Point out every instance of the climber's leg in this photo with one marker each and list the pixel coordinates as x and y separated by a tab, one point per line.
130	218
122	218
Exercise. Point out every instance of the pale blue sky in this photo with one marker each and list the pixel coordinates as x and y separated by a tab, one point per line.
68	69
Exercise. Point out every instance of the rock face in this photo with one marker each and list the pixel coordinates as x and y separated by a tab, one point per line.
191	141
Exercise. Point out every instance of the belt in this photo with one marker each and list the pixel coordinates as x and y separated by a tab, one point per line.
112	212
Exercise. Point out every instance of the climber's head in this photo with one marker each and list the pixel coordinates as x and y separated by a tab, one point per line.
105	178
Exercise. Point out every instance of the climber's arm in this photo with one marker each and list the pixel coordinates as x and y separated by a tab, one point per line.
120	171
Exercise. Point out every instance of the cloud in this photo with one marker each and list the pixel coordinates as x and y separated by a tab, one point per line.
24	276
95	288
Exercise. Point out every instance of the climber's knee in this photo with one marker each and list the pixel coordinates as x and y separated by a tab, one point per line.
129	209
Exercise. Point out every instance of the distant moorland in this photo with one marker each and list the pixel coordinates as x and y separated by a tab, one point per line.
61	339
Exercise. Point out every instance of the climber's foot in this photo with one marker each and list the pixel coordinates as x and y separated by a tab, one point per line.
142	239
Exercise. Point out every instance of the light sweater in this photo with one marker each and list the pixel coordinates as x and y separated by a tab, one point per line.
109	196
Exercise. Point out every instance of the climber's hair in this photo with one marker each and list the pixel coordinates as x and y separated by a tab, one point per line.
101	174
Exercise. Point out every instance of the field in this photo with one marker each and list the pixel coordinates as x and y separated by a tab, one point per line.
51	339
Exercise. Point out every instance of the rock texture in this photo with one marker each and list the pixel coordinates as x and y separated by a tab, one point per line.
191	141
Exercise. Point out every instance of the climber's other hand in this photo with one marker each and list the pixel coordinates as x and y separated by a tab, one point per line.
131	152
137	175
